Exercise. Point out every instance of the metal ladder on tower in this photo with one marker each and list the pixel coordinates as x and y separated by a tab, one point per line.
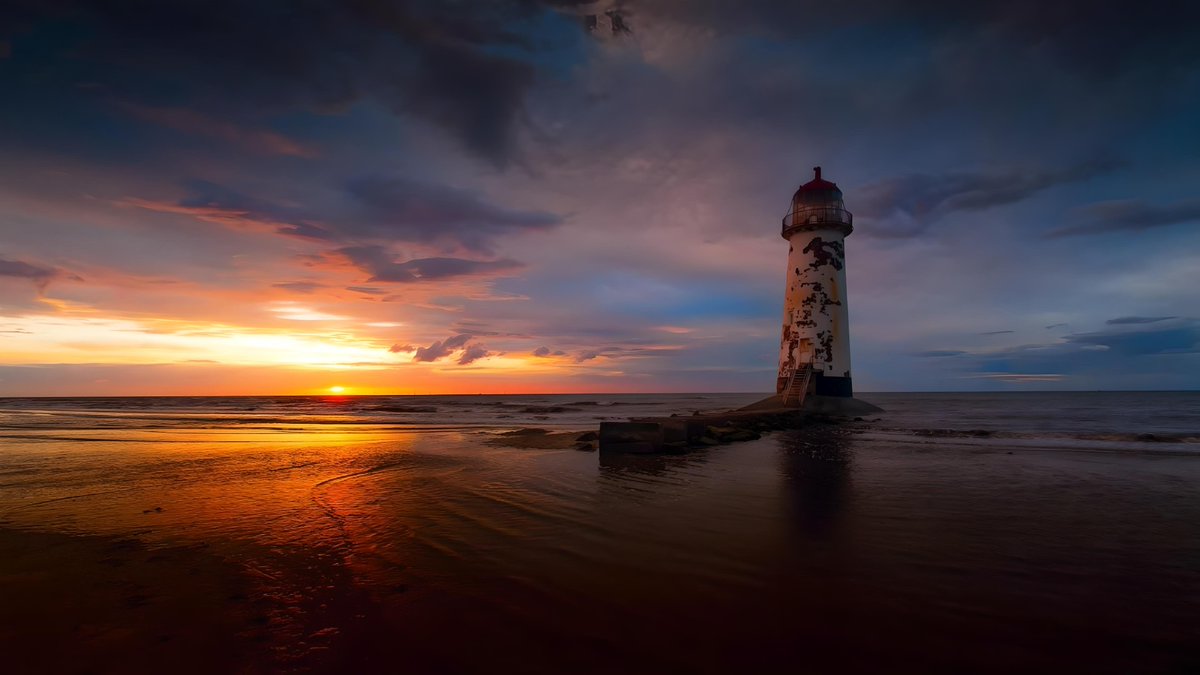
797	385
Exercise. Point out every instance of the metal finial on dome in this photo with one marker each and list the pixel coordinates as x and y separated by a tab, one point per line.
817	171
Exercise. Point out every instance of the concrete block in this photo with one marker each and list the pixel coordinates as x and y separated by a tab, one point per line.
631	437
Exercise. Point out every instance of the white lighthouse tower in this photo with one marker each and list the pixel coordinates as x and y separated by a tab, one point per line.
814	353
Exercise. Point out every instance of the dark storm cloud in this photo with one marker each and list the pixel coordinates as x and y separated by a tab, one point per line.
1128	215
1079	33
466	69
1122	320
376	261
431	213
908	206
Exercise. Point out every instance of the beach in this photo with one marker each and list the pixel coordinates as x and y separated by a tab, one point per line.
962	533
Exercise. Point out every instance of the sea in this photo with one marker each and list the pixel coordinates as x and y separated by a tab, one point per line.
953	532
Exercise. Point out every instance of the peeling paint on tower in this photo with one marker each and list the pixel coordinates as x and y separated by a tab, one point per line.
815	315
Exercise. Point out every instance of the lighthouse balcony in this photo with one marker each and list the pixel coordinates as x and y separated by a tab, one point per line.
816	218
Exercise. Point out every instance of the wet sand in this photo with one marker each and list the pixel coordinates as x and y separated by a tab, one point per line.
825	549
101	604
542	439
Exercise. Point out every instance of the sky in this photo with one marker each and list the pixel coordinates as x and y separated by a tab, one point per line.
410	196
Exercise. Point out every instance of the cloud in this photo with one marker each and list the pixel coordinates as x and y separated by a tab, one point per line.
1182	338
1135	354
376	209
213	202
1074	33
997	332
471	327
296	312
476	94
401	349
441	348
193	122
464	70
545	351
1020	377
24	270
908	206
376	261
472	353
40	275
432	213
433	352
1137	319
299	286
1128	215
212	211
671	157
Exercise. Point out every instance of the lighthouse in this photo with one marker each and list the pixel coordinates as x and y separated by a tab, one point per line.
814	352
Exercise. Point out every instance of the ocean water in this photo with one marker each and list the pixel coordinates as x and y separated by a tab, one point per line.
977	532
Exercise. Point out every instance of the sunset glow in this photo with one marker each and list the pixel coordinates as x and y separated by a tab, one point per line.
601	211
599	336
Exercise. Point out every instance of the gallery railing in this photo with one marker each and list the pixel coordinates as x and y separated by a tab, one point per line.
810	216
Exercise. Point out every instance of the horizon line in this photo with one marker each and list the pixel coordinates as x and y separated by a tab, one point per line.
593	393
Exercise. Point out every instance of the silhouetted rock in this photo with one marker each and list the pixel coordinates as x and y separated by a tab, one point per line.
743	435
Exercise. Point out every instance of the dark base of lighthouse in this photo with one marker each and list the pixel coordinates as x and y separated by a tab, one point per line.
838	406
824	385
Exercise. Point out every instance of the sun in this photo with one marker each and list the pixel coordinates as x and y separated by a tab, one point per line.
337	389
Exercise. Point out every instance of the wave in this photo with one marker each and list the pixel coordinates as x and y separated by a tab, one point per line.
1082	436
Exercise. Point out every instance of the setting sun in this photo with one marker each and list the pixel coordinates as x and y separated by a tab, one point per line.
336	389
